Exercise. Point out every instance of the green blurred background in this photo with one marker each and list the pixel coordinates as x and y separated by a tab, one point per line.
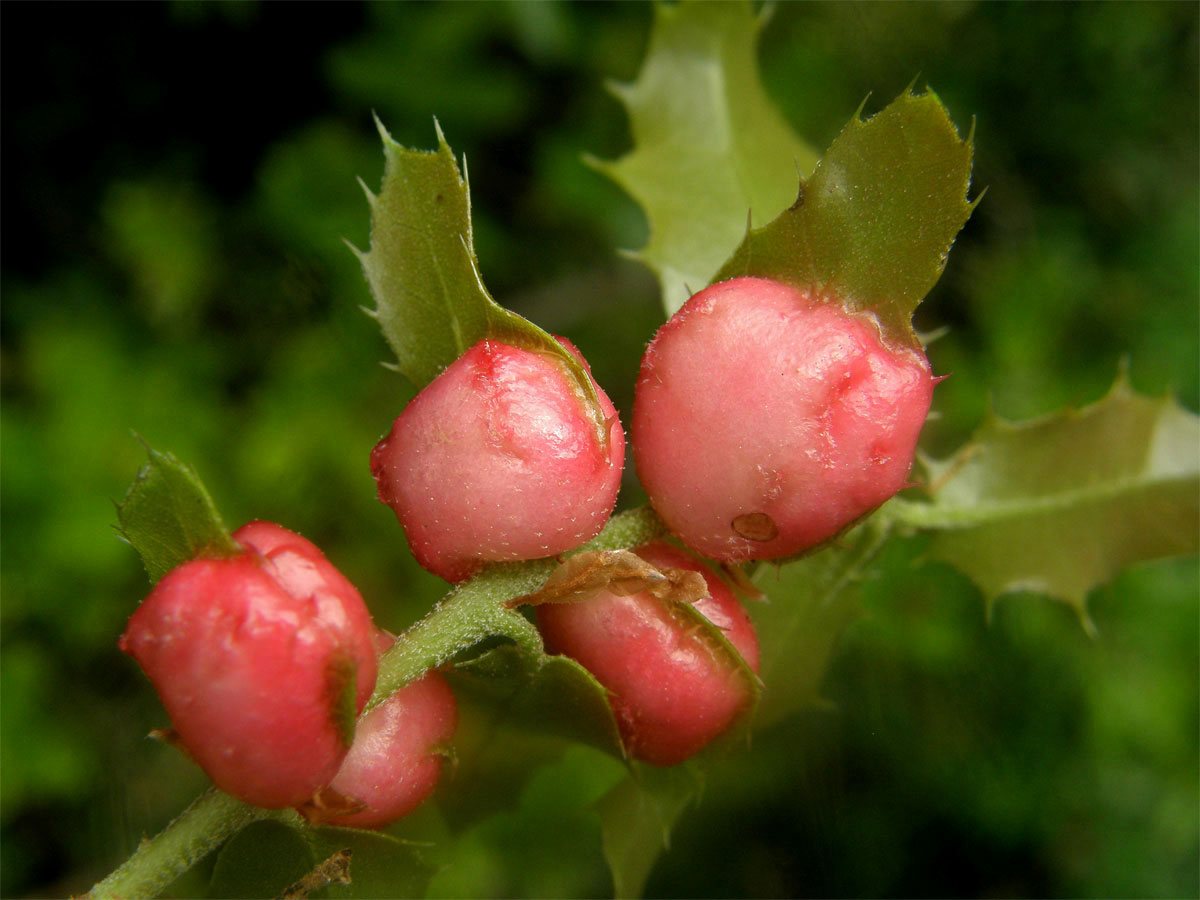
179	181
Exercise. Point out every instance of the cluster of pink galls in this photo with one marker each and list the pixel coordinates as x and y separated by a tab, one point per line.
766	420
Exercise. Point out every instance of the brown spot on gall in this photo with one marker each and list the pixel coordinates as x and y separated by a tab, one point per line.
755	526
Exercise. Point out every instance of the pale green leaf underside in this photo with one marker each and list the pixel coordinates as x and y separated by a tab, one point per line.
548	694
380	866
169	518
267	859
636	818
709	147
430	300
809	604
874	224
1062	504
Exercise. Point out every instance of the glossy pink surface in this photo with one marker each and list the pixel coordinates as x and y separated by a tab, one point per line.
498	459
673	692
398	753
249	655
764	421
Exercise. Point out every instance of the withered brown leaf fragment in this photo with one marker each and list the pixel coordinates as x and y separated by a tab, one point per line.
327	804
334	870
170	737
756	527
621	572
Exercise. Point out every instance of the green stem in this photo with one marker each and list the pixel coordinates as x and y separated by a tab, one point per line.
197	831
470	613
631	528
475	610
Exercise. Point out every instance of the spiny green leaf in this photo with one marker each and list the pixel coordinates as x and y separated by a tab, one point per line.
430	299
709	148
636	818
1062	504
169	518
873	225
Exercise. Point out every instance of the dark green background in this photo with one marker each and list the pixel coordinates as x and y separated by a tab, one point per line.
178	179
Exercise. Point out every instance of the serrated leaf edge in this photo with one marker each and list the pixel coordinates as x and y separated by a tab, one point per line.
503	325
828	291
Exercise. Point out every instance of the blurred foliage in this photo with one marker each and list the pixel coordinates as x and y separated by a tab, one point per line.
181	179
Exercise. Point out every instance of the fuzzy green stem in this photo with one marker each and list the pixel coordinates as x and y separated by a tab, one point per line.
471	612
197	831
631	528
475	610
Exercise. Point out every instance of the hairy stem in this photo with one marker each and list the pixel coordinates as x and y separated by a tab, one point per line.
205	824
475	610
471	612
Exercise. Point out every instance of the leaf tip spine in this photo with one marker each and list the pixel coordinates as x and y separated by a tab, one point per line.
989	609
858	113
384	136
763	17
595	163
1122	383
928	337
371	195
1086	622
971	204
622	90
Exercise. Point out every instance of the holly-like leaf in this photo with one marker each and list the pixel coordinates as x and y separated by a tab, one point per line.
169	518
430	300
636	818
1062	504
709	147
873	226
